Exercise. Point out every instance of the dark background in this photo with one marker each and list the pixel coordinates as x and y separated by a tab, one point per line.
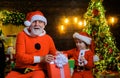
54	9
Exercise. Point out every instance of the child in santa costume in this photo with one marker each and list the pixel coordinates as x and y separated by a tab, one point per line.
82	55
33	48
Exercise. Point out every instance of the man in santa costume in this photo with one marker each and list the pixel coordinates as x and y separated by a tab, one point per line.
83	55
33	48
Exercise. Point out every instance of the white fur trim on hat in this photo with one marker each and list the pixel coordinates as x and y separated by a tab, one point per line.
27	23
39	17
35	17
83	38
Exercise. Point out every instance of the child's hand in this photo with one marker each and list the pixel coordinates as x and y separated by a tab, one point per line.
84	60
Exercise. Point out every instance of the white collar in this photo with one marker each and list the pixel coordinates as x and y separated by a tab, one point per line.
26	31
82	52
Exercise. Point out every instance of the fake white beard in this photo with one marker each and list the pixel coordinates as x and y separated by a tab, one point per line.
36	32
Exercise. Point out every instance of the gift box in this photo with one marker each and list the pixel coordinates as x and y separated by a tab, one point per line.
58	72
55	72
71	63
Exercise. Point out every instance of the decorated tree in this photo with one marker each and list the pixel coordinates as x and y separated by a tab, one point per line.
105	45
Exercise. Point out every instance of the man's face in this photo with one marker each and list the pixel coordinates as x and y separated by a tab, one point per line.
37	27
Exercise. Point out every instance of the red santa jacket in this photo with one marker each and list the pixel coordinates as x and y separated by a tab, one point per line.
74	53
27	47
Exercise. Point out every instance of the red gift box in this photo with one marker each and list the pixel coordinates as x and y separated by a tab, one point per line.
55	72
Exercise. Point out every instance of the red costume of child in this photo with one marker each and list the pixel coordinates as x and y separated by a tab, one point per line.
83	69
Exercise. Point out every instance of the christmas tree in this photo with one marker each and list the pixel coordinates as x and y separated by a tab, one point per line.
105	45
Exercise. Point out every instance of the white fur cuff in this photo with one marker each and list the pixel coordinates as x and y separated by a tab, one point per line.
96	58
36	59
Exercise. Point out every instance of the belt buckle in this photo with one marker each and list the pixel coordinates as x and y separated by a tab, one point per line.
79	69
27	70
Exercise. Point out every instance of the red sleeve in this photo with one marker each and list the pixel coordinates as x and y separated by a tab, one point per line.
69	52
21	56
89	58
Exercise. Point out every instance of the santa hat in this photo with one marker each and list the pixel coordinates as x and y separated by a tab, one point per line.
32	16
83	36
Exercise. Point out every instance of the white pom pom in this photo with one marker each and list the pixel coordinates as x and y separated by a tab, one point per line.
27	23
95	58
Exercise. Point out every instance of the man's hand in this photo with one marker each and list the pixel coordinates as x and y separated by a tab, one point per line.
49	58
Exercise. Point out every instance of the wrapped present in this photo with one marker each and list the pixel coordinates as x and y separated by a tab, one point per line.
71	65
59	68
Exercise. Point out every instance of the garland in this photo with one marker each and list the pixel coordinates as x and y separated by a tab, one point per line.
10	17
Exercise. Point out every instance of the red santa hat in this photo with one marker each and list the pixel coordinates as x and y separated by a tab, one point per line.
83	36
32	16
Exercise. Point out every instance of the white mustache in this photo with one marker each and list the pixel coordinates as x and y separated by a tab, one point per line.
37	27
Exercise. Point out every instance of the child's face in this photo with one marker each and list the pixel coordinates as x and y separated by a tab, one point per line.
80	44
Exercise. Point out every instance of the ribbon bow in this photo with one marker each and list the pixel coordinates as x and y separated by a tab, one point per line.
61	60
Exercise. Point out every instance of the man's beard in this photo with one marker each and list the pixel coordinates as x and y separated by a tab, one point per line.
36	31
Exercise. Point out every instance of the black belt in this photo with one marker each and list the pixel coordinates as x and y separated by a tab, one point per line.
23	70
81	68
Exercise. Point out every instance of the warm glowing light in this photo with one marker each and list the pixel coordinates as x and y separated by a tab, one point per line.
71	23
62	27
75	19
66	20
112	19
80	23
